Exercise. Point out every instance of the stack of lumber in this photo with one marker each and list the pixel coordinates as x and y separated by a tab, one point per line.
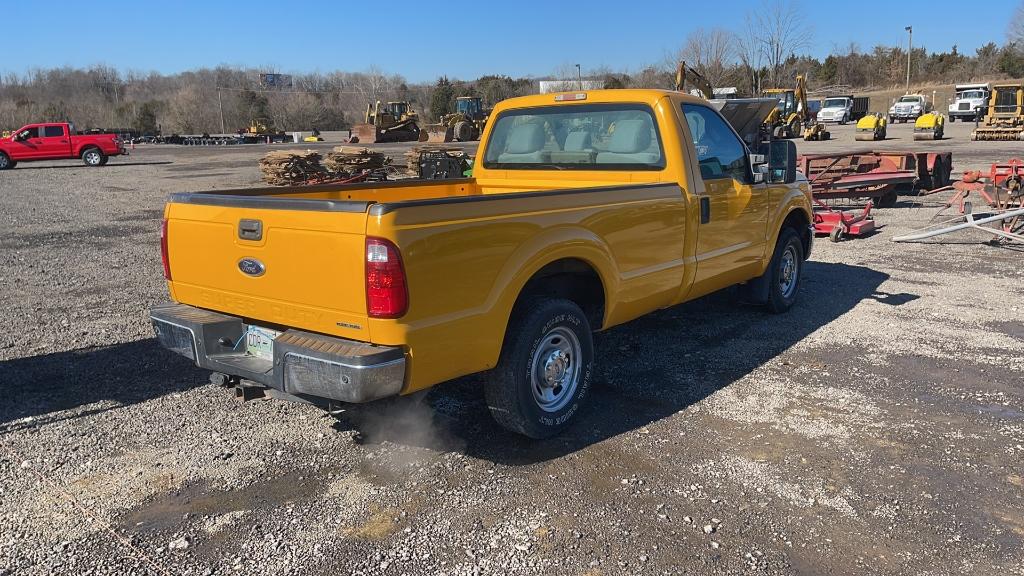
283	167
412	157
352	159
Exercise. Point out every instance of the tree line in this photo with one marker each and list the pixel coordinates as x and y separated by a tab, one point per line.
767	50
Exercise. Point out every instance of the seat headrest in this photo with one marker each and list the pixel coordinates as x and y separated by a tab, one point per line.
525	139
577	141
630	137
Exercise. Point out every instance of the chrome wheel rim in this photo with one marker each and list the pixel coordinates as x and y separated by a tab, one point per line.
788	272
3	161
92	157
555	372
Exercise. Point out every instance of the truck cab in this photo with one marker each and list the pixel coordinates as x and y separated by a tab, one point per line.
970	102
909	107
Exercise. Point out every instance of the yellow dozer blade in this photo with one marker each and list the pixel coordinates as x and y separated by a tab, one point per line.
436	133
929	126
870	128
367	133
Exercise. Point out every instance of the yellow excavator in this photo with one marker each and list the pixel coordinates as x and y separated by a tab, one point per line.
686	74
790	118
464	125
1004	119
871	127
389	122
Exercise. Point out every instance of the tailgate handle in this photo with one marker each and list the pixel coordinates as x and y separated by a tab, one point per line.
250	229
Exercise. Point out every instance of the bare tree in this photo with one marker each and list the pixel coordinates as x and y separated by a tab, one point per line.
712	52
1015	31
778	30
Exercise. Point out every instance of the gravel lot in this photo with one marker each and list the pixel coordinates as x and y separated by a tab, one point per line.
878	428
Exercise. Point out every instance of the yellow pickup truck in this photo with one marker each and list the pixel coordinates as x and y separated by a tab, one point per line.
586	210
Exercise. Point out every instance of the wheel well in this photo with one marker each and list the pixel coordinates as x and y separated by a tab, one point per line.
573	280
86	148
798	221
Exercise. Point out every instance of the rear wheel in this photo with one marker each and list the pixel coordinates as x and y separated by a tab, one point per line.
93	157
5	162
785	270
544	372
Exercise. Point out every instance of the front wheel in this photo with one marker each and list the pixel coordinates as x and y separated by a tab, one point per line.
785	270
93	157
544	372
5	162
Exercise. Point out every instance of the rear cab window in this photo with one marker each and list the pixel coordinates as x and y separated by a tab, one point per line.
53	131
576	137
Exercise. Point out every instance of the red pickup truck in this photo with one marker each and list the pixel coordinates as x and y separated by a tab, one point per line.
57	141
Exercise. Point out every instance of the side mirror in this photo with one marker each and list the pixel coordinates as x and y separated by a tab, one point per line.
781	161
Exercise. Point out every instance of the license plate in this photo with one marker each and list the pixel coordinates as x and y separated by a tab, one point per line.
259	342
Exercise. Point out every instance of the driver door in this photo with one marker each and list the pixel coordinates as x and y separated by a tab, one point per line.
26	144
734	211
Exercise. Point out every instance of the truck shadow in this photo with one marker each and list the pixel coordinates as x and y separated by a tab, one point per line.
47	388
79	165
646	370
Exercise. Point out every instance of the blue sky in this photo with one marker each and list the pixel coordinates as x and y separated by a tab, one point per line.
514	38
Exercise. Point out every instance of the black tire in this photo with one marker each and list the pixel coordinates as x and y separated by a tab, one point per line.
93	157
836	235
6	163
104	160
794	129
789	253
515	390
952	118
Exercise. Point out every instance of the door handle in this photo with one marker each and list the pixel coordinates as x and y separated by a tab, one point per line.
705	209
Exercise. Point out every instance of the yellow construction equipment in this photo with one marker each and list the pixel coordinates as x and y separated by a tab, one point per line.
790	117
463	125
929	126
686	74
871	127
390	122
1004	119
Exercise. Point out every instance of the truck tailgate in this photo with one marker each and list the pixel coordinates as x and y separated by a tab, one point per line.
296	268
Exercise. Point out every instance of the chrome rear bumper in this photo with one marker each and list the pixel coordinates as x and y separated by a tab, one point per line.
303	364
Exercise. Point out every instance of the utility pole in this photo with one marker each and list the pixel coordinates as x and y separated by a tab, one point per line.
579	76
910	50
220	104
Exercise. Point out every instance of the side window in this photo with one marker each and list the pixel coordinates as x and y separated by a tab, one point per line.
720	153
53	131
32	132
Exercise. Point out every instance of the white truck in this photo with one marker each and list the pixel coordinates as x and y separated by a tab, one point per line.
970	102
909	107
843	109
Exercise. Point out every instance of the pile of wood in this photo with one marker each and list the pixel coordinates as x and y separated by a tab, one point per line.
412	157
283	167
353	159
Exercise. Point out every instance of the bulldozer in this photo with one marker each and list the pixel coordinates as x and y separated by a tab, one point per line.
930	126
871	127
1004	119
389	122
464	125
790	118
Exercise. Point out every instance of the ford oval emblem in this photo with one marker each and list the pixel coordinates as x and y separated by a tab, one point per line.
251	266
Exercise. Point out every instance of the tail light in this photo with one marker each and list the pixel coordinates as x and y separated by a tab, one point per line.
386	292
163	250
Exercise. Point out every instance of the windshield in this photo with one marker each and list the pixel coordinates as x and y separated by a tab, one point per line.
834	103
576	137
911	99
971	94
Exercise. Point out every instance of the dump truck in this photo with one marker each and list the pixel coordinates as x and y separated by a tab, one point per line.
1004	115
970	102
843	109
585	210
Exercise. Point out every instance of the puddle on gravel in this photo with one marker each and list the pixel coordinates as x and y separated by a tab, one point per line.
199	499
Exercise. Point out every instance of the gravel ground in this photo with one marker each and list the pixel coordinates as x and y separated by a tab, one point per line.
878	428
